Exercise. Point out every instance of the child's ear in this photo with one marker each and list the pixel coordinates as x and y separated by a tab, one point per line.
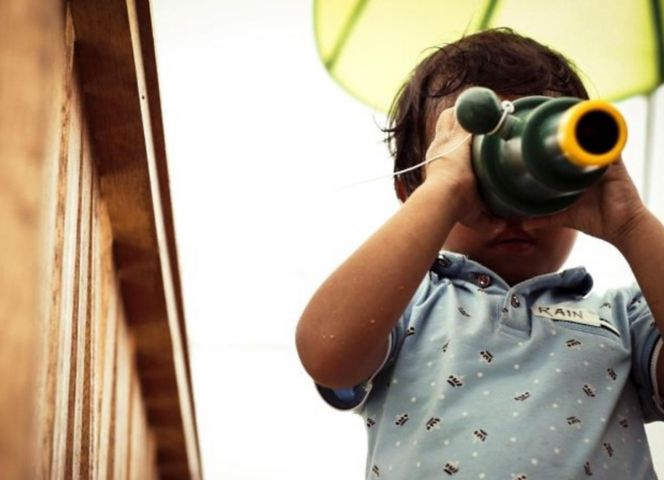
400	188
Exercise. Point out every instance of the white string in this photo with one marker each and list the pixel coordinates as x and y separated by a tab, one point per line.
414	167
508	108
437	157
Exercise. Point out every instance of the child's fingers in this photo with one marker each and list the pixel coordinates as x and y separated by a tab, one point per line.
448	125
445	120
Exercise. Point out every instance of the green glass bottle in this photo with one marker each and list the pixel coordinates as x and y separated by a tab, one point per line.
535	156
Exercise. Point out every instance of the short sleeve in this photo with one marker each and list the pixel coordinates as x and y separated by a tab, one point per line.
353	398
646	343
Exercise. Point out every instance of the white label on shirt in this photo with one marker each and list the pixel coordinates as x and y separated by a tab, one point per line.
567	314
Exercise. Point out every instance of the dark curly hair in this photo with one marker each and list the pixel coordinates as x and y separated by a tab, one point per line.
499	59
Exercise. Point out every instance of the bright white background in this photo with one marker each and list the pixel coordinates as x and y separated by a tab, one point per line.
263	147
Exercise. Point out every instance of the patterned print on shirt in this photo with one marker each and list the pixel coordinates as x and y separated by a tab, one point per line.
451	468
433	423
589	390
401	419
573	344
521	397
375	470
574	422
479	435
455	381
486	356
608	449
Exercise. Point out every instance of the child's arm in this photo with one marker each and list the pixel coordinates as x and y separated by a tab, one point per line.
342	336
612	210
642	244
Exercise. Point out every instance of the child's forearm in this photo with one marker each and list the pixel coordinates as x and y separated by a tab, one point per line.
642	245
343	333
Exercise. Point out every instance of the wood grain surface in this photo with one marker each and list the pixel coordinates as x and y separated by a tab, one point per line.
96	376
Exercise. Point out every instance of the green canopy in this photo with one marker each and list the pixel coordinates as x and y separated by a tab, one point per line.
370	46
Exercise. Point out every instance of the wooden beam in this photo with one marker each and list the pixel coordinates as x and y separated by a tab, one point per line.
30	65
117	70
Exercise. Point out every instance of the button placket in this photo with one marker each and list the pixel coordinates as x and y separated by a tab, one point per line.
515	319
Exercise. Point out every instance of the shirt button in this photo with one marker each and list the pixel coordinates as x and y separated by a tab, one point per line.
516	303
483	280
443	261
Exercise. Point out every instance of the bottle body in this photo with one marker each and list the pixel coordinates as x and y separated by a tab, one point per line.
544	154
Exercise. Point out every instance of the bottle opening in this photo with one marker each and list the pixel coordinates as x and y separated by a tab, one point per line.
592	133
597	132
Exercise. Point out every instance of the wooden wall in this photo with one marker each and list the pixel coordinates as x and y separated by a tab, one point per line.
27	51
95	373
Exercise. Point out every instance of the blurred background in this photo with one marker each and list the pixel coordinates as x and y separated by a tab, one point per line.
265	154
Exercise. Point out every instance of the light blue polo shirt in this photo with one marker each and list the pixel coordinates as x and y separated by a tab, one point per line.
541	380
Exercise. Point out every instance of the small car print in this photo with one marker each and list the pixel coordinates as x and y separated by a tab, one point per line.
486	356
451	468
608	449
455	381
573	421
522	396
573	343
401	419
480	435
433	423
375	470
589	390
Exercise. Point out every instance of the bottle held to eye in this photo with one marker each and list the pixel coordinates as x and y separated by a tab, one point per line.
535	156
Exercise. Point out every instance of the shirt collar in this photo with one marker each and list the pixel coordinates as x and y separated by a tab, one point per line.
454	265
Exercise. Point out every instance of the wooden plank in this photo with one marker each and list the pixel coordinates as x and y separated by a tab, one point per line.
143	23
103	286
72	322
82	368
97	321
68	294
106	343
107	406
122	405
55	213
138	441
65	350
131	163
143	49
30	56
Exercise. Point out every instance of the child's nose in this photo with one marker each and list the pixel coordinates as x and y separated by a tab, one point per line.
515	223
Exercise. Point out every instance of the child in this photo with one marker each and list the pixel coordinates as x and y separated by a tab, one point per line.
480	361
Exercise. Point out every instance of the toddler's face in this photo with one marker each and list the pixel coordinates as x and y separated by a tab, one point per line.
511	251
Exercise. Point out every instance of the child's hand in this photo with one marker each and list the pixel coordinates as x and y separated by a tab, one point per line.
454	171
607	210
